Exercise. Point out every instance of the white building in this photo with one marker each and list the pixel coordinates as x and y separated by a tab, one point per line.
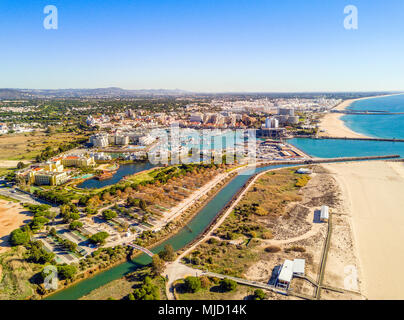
122	140
286	275
289	269
299	267
324	213
271	123
99	140
196	117
303	171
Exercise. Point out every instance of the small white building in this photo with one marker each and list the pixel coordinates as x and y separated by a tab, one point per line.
303	171
324	213
289	269
286	275
298	267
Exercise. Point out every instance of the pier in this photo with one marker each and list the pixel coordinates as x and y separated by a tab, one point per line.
368	112
328	160
361	139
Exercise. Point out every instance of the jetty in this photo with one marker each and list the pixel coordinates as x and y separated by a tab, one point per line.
361	139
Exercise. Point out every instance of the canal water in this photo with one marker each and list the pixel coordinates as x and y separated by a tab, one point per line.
124	170
186	235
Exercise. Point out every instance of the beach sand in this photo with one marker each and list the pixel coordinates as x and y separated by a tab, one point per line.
333	126
372	192
12	216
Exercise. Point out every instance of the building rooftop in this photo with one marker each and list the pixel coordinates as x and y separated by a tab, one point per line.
286	273
298	266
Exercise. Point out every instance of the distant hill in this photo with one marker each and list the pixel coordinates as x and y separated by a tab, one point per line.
85	93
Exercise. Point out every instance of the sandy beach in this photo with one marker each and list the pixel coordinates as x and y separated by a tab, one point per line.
372	193
333	126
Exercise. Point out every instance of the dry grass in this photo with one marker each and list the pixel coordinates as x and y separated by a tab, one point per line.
16	274
27	146
273	191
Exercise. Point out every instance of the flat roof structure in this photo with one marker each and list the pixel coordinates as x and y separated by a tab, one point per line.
324	213
286	273
299	266
303	171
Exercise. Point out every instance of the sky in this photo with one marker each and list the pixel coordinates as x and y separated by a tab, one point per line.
203	45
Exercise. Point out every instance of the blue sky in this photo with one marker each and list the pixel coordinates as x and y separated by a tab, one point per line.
203	45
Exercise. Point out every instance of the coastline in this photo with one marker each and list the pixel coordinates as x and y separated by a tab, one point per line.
334	126
371	193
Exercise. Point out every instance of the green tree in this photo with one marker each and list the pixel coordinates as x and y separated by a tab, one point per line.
148	291
20	165
66	271
193	284
99	238
157	265
19	237
109	214
168	254
228	284
75	225
38	254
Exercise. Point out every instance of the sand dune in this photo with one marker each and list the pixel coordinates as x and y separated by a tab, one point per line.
373	192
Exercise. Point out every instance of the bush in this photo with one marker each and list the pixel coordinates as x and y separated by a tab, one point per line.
259	294
267	235
296	249
228	284
205	282
193	284
302	181
272	249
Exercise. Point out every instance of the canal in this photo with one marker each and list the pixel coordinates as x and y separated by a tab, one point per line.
124	170
186	235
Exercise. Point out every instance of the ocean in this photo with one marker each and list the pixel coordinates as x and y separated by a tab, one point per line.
378	126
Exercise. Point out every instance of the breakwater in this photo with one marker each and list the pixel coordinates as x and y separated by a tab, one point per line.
360	139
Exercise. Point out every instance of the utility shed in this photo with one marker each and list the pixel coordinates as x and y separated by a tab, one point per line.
324	213
298	267
286	274
303	171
